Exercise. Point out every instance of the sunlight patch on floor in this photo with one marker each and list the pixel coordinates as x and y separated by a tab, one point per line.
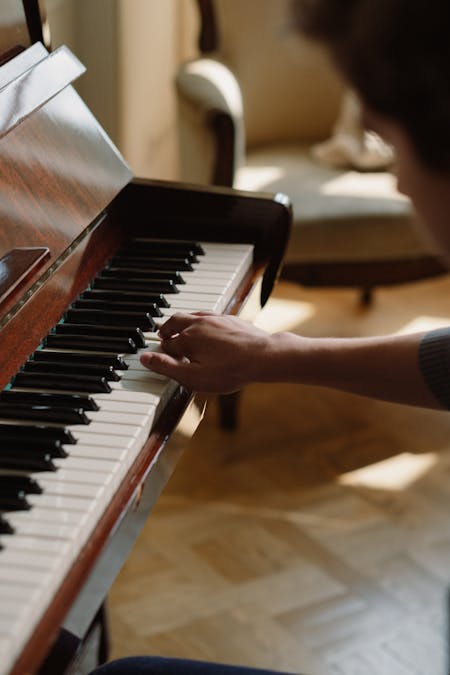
280	315
395	473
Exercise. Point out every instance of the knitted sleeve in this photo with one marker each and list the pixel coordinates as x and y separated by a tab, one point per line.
434	363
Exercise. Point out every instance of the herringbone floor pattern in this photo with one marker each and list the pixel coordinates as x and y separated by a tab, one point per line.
316	539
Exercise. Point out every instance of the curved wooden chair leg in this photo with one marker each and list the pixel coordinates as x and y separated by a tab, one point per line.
229	411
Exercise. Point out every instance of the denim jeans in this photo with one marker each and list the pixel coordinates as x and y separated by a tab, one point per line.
156	665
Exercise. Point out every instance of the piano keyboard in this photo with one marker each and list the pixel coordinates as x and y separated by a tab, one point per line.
76	416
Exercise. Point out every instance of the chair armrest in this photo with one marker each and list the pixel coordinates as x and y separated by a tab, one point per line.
211	126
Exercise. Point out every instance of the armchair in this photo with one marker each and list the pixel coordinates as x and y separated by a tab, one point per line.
251	108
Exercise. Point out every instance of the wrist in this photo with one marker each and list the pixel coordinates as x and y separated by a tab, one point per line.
281	357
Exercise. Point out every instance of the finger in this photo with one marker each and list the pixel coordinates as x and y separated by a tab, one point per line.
175	346
176	324
164	364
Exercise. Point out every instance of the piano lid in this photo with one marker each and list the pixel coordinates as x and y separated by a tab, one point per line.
58	169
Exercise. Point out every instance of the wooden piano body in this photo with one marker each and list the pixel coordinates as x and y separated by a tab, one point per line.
67	203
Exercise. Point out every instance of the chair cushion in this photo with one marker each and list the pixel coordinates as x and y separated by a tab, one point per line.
338	215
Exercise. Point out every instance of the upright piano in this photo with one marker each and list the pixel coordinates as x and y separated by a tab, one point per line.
92	260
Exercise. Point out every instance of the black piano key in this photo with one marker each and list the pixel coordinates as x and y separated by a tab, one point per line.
17	502
152	264
99	332
60	382
24	446
35	433
116	362
27	460
92	343
140	320
14	490
75	368
133	272
119	306
177	247
75	401
122	296
160	250
5	526
163	285
136	269
18	411
16	482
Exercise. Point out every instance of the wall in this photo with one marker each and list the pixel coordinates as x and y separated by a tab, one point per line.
132	49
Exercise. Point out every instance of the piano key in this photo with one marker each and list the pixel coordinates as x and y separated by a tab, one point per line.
39	559
155	264
13	482
138	268
25	447
59	488
92	343
105	430
123	296
5	527
160	285
61	382
77	401
115	417
94	358
91	464
28	544
53	367
129	268
117	306
17	502
43	413
33	433
100	332
27	460
141	320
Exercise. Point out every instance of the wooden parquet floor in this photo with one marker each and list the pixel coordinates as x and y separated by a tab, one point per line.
316	539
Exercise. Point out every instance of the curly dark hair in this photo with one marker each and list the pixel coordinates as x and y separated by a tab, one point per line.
396	53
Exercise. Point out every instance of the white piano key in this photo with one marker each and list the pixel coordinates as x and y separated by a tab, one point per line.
104	440
50	516
29	544
116	417
23	575
117	453
91	465
60	503
128	430
16	591
39	560
36	527
187	304
71	489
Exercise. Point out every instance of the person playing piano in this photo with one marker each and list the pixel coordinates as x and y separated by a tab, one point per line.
396	54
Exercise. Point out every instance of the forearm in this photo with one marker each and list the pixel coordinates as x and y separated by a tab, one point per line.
386	368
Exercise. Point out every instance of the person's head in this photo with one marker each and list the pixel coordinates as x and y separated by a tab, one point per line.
396	54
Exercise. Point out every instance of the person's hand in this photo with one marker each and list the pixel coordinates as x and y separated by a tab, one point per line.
209	353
